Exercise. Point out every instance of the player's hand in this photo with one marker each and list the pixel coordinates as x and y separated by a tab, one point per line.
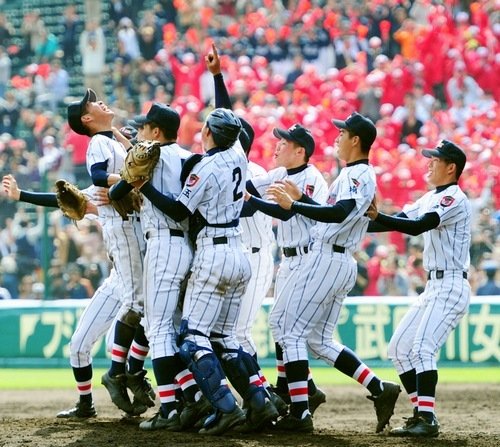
280	196
91	208
212	61
291	188
372	211
246	196
100	197
10	187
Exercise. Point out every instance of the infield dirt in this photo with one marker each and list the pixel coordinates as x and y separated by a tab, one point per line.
469	416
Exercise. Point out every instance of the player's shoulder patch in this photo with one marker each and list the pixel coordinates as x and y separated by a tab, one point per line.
192	180
446	201
309	190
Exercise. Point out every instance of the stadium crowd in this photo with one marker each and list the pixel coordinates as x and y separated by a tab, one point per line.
422	70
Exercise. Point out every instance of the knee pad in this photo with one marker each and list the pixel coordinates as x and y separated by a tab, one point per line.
131	318
208	374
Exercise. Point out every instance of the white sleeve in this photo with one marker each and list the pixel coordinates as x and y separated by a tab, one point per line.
195	186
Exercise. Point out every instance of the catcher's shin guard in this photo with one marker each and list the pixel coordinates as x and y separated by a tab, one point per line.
208	374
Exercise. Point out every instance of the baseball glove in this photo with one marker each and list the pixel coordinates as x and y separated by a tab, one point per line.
140	161
71	200
128	204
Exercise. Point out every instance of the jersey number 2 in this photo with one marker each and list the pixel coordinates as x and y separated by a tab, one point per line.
237	195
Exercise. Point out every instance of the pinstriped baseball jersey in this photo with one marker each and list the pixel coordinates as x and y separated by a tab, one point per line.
354	182
165	179
447	246
104	149
295	232
257	229
215	188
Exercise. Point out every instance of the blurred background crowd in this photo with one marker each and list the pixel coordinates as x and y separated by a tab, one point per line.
422	70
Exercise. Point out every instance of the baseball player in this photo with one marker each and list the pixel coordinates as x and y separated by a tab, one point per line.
213	197
167	262
94	322
122	238
327	276
293	150
257	236
443	216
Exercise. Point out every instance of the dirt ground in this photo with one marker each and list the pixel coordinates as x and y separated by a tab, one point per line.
469	416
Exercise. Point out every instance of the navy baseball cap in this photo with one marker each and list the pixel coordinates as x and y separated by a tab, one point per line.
298	134
361	126
448	151
161	114
76	109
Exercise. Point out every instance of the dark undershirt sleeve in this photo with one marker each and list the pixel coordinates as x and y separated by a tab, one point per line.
166	203
413	227
325	213
221	95
119	190
99	174
376	227
39	198
271	209
252	190
307	199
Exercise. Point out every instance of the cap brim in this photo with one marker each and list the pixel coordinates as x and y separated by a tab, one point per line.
282	133
138	121
90	96
429	153
339	124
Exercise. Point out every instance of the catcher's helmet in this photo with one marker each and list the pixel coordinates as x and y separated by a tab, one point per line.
225	127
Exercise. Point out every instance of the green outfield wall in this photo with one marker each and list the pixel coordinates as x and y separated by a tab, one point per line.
37	333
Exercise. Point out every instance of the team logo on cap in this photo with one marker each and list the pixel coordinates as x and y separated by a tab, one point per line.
309	190
192	180
291	129
446	201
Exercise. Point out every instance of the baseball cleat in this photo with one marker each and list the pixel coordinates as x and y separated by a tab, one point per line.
82	410
278	402
294	424
315	400
257	420
141	387
384	403
158	422
219	422
418	427
194	411
117	389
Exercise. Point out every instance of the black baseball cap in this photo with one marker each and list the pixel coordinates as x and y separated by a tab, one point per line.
361	126
76	109
298	134
162	115
449	151
247	135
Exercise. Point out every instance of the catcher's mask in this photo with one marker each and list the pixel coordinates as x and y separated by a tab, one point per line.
76	110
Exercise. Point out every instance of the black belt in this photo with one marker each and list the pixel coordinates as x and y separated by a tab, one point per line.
439	274
173	233
133	218
220	240
338	249
255	249
292	251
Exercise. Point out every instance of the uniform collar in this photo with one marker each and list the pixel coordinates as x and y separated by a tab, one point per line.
443	187
106	133
296	170
216	150
363	161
